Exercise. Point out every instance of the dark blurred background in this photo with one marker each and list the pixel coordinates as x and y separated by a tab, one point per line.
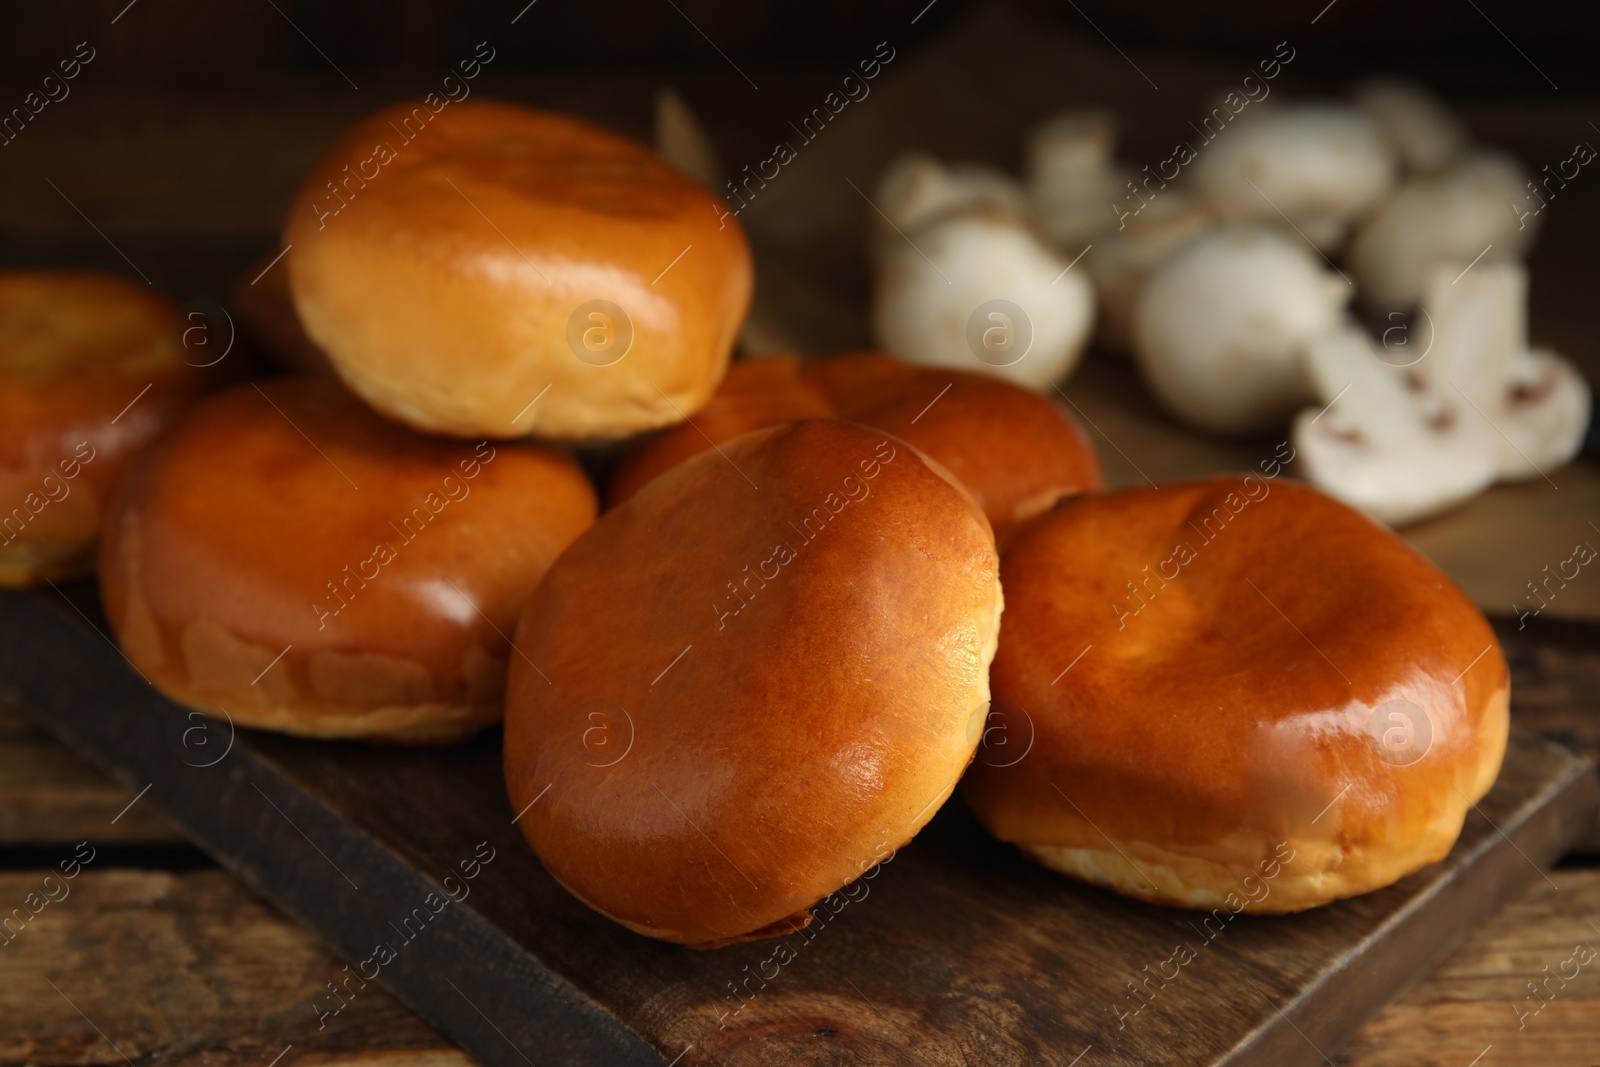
1460	45
181	143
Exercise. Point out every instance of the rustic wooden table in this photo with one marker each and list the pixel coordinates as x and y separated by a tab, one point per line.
152	954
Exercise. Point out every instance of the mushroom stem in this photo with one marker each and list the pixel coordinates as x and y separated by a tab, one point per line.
1535	402
1373	401
963	281
1479	330
1376	445
1072	181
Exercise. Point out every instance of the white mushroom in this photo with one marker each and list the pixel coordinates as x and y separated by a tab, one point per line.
1072	181
1377	445
978	290
1316	166
1220	326
915	189
1536	403
1447	219
1425	135
1124	257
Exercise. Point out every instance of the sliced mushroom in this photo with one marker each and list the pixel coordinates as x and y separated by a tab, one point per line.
1535	402
979	290
1316	166
1220	326
1397	454
1072	181
1422	132
1442	220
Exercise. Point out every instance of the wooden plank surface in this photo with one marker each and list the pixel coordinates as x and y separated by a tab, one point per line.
183	969
49	795
191	969
960	950
1481	999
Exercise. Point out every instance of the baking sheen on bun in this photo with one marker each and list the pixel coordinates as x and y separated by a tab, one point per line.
1015	451
288	558
1234	693
741	688
92	366
457	264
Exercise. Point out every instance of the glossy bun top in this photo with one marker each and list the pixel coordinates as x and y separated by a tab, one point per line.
290	558
748	683
1200	673
456	261
92	366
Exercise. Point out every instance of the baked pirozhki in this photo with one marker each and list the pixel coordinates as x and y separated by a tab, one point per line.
744	685
1015	451
1235	693
756	393
92	366
488	270
287	558
265	313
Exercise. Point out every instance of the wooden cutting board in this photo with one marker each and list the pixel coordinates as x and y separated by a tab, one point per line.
958	952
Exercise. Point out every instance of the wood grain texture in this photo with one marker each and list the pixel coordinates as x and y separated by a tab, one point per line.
50	796
192	969
1555	676
1555	672
184	969
958	951
1555	679
1481	997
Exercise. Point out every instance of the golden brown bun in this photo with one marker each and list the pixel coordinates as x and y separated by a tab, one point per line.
387	568
756	393
92	366
265	312
1016	452
449	276
1289	706
709	763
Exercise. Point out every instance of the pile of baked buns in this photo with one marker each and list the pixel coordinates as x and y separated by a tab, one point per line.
820	593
